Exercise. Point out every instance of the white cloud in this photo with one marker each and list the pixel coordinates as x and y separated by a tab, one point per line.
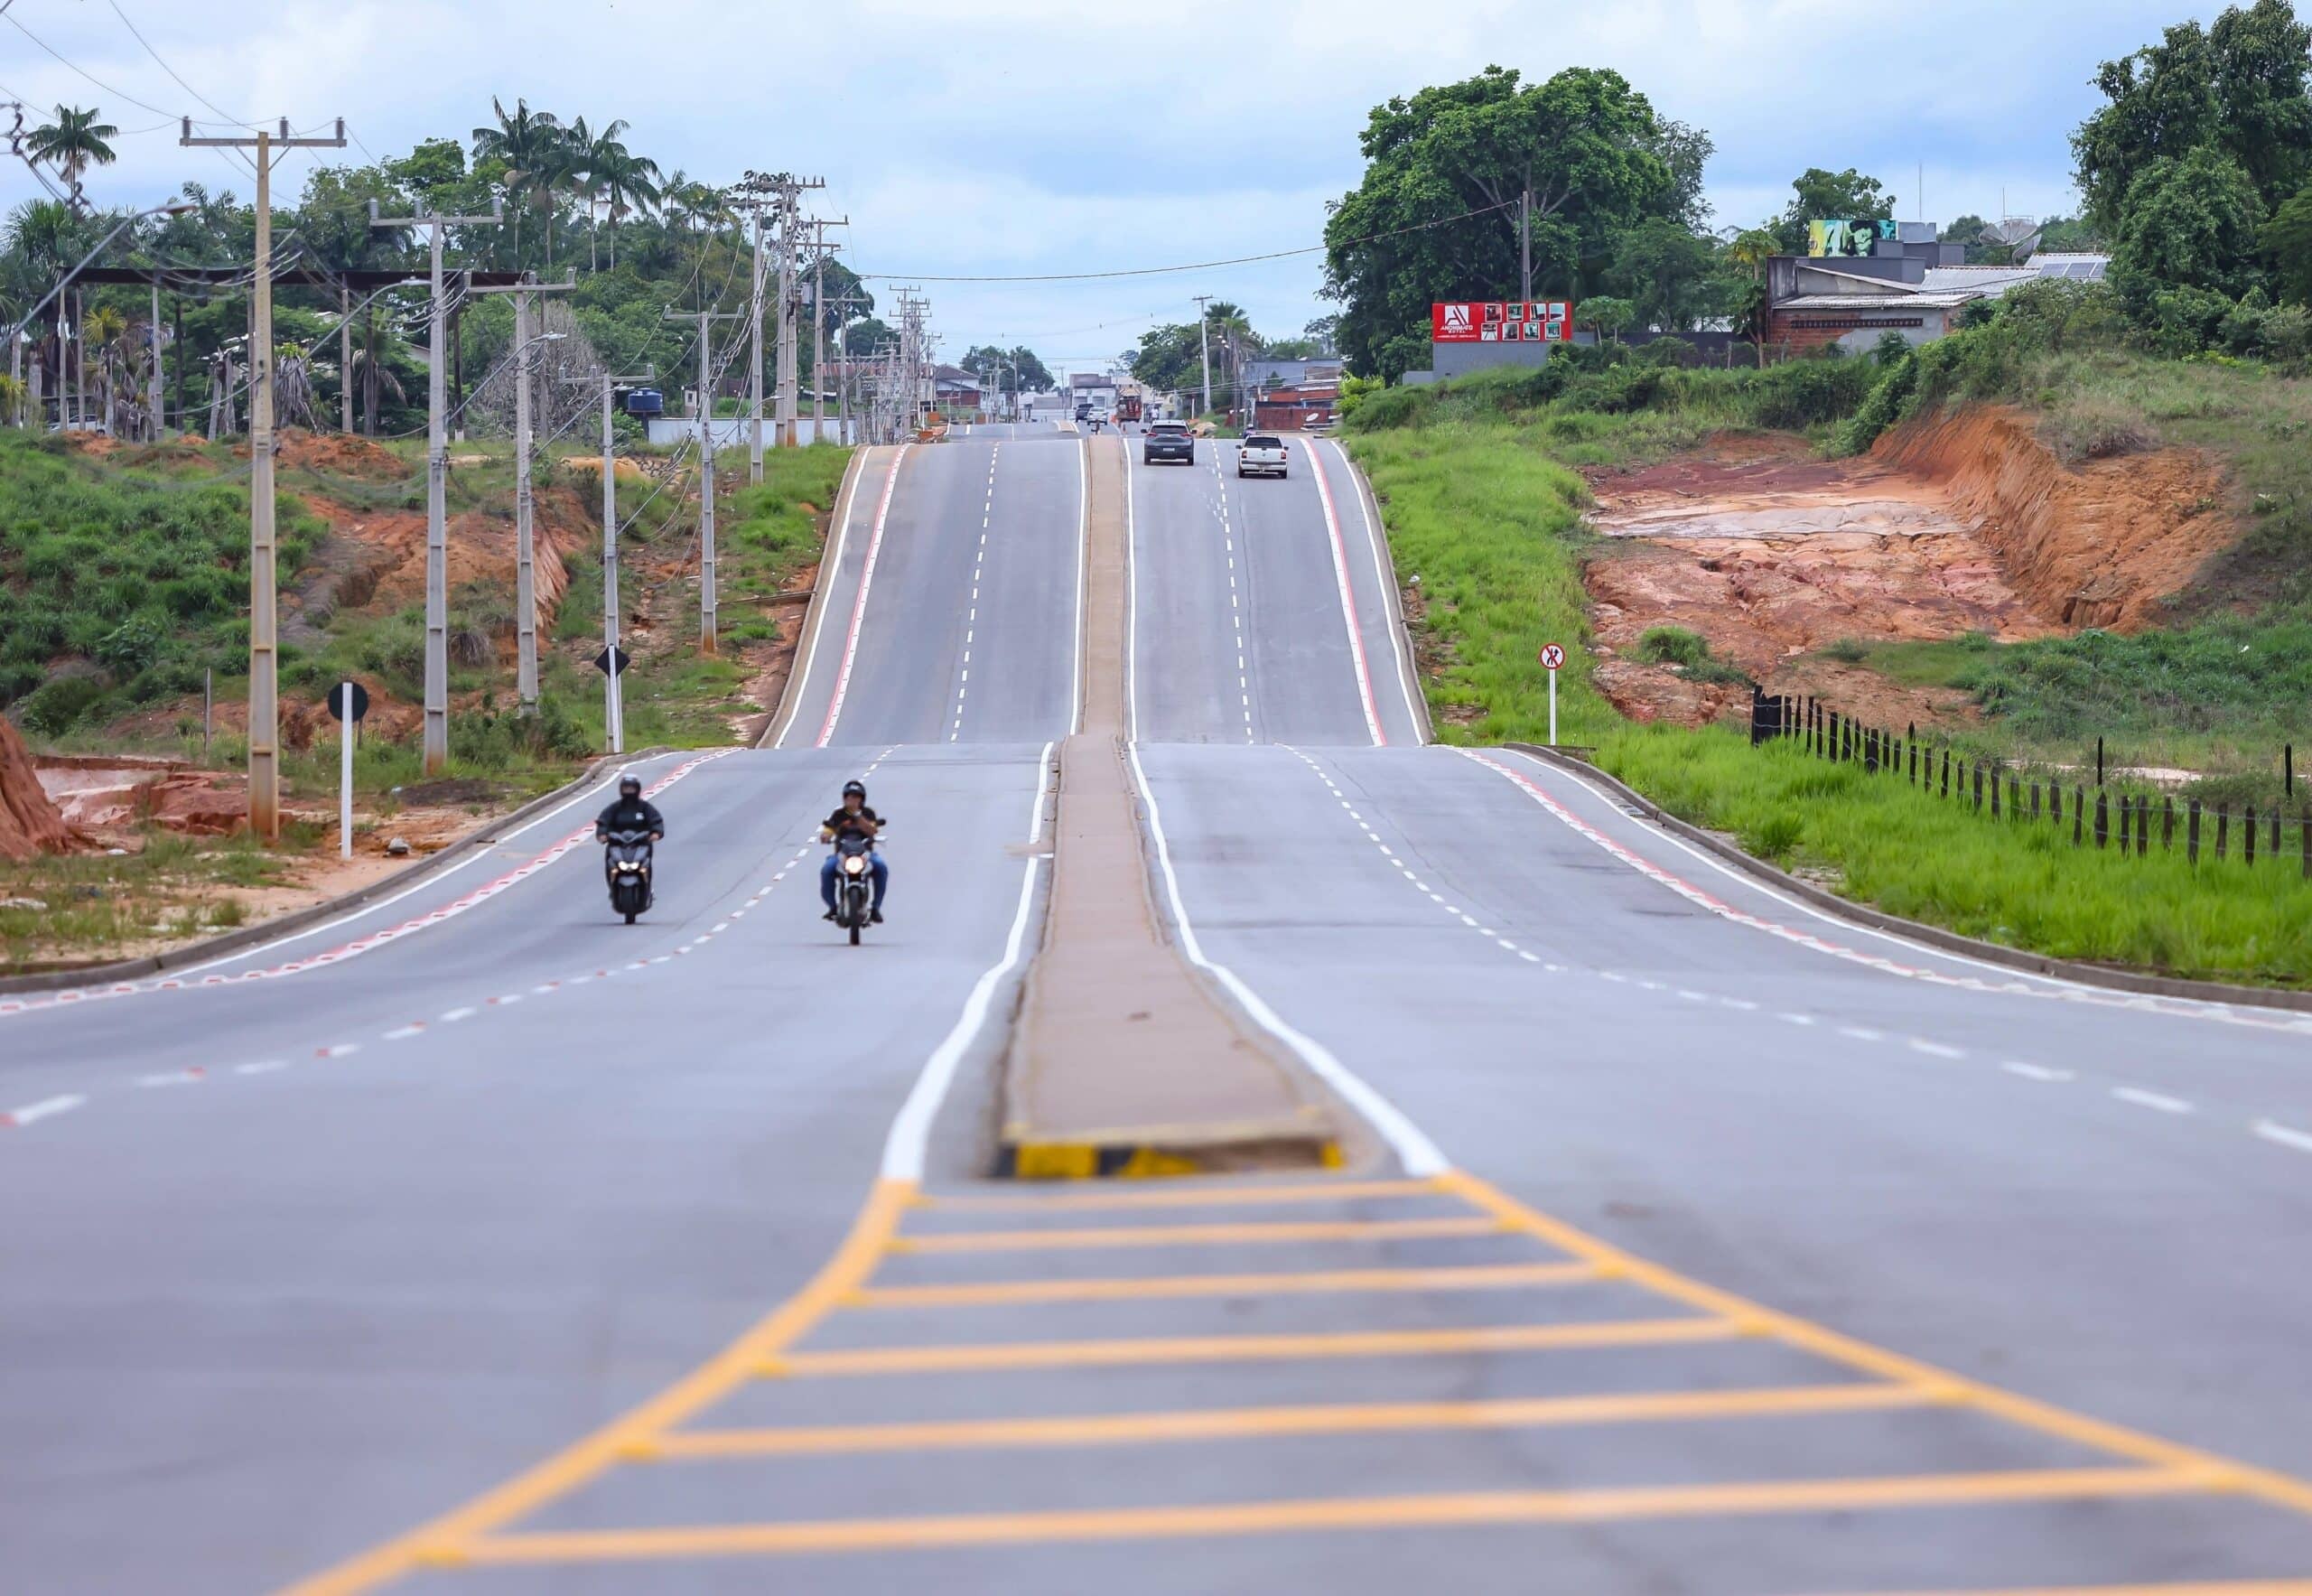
982	137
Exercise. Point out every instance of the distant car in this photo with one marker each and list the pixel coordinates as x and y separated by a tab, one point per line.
1261	455
1168	440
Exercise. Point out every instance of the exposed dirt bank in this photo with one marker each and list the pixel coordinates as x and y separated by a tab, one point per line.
1964	522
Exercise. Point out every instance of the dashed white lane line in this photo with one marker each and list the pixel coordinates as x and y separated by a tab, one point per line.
261	1067
190	1076
979	567
2159	1101
1935	1049
2299	1140
403	1033
1236	611
2036	1071
46	1108
453	1016
337	1049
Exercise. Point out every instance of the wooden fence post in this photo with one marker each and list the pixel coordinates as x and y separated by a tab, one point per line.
2192	831
2143	826
2126	815
2103	819
1994	792
2167	824
2035	800
2248	837
1979	787
2275	848
2078	813
2222	830
2304	832
1947	772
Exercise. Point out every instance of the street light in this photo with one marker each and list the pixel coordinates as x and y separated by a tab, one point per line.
171	208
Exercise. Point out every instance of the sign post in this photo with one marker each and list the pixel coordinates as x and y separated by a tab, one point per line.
612	662
348	702
1552	658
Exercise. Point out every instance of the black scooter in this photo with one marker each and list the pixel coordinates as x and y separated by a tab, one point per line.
629	868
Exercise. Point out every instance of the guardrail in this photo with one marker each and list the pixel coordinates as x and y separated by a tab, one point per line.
2020	796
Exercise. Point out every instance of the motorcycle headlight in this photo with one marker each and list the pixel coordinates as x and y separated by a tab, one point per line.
855	865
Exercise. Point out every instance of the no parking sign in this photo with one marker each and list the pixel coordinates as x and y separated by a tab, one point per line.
1552	657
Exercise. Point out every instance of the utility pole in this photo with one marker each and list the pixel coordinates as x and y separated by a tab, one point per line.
842	303
819	253
1204	346
437	476
153	339
613	691
264	658
707	320
1525	244
525	600
753	196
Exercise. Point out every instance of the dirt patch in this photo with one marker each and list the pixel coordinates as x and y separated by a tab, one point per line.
30	822
770	664
2098	546
339	454
1957	524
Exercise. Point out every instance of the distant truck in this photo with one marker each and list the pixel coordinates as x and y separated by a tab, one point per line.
1127	406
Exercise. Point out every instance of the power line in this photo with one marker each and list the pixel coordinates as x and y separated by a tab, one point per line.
164	66
1195	265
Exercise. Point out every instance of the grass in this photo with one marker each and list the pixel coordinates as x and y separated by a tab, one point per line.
1881	842
98	903
1481	505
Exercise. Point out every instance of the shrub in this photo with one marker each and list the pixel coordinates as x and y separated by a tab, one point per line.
59	705
1671	645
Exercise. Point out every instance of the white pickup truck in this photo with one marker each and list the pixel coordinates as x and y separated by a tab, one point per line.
1260	455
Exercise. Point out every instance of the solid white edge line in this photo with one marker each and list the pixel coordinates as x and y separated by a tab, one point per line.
1855	927
906	1145
2273	1132
818	631
1082	545
1383	576
1130	607
1415	1151
859	605
32	1112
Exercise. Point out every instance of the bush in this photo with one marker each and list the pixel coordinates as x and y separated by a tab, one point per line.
59	705
1671	645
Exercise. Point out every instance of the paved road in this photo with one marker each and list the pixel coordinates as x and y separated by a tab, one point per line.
258	1322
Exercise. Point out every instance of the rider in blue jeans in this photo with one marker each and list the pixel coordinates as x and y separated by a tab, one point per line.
854	818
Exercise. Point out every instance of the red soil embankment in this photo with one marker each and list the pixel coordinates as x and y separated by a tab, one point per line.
30	823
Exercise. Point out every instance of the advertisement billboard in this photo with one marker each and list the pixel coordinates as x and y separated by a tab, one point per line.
1501	320
1846	238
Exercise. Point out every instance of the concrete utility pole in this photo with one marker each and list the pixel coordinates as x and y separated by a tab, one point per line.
1204	346
819	253
841	304
706	595
153	339
1525	244
264	658
526	598
613	691
437	477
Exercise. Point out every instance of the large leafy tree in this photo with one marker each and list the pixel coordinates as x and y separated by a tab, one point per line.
2236	86
72	144
1571	161
1671	276
2286	241
1829	196
2189	221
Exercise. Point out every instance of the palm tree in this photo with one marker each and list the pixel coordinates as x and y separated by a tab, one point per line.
375	377
73	143
1750	249
623	180
101	331
526	142
13	395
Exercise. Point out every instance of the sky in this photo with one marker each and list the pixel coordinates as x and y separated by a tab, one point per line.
1015	137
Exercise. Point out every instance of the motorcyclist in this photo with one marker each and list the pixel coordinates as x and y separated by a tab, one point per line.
852	818
631	812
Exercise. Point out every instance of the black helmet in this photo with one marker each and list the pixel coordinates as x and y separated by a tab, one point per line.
629	787
854	786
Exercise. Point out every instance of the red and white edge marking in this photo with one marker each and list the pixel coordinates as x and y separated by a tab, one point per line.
1349	603
859	605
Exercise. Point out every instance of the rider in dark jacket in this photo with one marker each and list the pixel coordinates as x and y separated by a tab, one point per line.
631	812
853	818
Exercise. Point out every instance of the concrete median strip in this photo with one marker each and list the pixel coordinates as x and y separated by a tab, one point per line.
1123	1062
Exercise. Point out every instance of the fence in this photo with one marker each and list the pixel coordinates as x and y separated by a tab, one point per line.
2127	819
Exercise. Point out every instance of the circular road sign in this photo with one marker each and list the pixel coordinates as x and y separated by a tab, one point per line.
1552	656
337	705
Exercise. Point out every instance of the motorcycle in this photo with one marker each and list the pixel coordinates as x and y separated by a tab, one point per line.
854	882
628	867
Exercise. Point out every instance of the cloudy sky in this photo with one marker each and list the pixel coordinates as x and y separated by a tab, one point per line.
1001	137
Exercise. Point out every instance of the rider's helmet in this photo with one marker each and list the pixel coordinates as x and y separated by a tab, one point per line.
629	787
857	788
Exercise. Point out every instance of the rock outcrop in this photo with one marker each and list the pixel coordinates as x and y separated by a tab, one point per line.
30	825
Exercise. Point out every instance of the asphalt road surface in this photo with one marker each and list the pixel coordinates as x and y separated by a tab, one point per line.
301	1271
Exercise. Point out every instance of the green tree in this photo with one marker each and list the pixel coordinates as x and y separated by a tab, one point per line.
2287	241
435	163
1669	275
529	144
2236	86
1587	147
2188	221
1830	196
865	336
72	144
1605	315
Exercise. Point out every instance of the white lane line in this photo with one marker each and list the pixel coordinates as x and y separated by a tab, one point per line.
2034	1071
261	1067
859	605
403	1033
1416	1153
2270	1132
2158	1100
453	1015
1935	1049
46	1108
1861	1033
906	1145
1796	1019
338	1050
174	1078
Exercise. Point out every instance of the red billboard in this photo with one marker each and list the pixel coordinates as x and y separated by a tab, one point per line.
1496	321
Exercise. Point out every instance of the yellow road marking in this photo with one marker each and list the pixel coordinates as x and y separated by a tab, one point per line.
567	1470
1170	1198
1474	1507
1509	1338
1005	1241
1246	1423
1473	1277
2270	1486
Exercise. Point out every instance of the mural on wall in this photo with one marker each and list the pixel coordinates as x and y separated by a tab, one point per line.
1847	237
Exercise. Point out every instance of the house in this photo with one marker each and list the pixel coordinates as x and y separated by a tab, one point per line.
955	392
1094	389
1296	407
1913	285
1261	375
